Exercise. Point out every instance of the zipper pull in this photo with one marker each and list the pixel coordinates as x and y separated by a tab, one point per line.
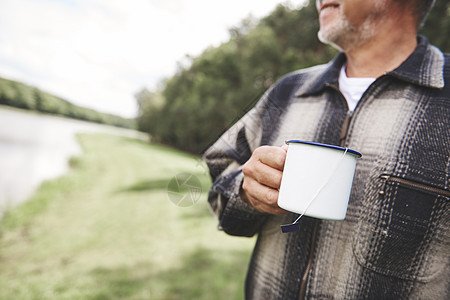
383	188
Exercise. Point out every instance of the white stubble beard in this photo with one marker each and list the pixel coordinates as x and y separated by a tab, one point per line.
345	36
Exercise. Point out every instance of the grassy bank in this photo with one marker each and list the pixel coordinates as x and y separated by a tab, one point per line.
107	230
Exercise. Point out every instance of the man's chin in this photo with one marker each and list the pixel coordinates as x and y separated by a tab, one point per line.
324	38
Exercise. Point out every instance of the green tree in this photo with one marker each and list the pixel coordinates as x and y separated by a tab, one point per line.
24	96
437	25
20	95
149	111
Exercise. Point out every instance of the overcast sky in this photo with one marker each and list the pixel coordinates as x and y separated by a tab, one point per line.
99	53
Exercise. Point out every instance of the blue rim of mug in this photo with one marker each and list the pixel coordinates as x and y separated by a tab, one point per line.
324	145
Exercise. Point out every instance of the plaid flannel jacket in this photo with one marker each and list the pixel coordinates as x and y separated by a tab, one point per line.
394	242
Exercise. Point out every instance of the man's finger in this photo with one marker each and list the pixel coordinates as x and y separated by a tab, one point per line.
271	156
260	193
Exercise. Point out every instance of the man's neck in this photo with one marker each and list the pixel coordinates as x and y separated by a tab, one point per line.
383	53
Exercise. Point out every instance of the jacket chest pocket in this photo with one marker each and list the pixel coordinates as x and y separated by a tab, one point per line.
403	230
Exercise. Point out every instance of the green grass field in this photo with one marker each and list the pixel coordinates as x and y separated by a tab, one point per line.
107	230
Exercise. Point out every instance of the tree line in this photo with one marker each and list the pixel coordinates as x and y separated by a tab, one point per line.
20	95
208	93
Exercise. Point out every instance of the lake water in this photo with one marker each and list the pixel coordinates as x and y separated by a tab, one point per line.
35	147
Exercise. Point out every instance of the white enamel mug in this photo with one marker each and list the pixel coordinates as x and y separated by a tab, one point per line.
317	179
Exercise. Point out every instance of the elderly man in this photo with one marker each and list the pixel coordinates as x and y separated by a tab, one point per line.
384	95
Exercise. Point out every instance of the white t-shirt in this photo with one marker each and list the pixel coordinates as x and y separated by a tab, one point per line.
353	88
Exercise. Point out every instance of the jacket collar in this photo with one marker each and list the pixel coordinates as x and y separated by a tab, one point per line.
328	76
425	67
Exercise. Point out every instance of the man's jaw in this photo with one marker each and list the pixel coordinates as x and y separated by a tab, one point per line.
331	21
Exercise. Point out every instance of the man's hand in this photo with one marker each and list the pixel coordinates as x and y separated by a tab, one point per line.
262	179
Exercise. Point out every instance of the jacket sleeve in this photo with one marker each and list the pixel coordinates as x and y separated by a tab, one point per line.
225	159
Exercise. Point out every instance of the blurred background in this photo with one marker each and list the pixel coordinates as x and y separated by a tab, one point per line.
105	110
